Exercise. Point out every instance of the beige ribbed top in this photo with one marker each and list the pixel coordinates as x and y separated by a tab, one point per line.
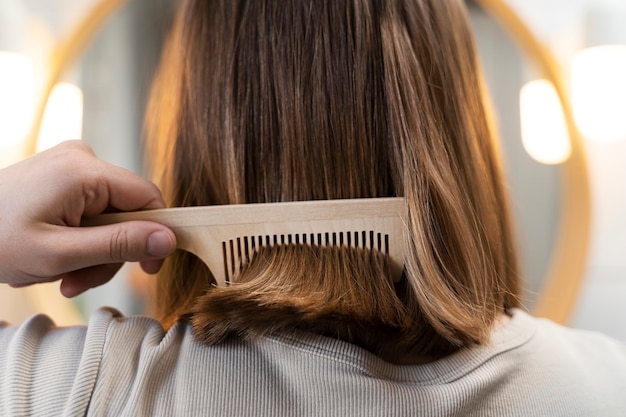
121	366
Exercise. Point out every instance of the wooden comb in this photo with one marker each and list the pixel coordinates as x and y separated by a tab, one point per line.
226	237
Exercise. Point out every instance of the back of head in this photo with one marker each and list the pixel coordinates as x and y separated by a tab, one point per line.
274	100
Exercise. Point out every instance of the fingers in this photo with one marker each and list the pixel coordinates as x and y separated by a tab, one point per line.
129	191
76	282
116	187
43	201
151	267
82	247
91	185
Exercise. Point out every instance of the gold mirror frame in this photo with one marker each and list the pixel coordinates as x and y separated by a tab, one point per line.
567	267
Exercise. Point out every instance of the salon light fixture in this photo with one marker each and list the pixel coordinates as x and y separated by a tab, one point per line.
598	83
17	103
544	130
63	117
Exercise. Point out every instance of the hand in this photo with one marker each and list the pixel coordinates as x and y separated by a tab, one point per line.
42	201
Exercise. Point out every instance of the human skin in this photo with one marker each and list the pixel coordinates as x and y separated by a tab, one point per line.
42	201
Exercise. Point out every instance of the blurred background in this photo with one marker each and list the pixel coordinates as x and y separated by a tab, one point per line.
101	99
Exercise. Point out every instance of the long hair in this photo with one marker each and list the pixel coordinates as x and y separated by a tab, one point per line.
284	100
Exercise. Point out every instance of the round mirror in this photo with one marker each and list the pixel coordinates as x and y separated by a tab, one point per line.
117	65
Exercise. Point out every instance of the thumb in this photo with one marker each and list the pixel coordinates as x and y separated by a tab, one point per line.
83	247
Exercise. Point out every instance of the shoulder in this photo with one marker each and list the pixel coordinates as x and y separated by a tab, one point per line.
47	370
585	348
580	371
39	364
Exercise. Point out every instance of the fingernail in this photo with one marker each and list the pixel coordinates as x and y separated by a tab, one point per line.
160	244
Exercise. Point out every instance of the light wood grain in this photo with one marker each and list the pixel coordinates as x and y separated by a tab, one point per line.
216	234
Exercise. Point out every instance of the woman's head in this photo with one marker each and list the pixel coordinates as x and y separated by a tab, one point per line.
280	100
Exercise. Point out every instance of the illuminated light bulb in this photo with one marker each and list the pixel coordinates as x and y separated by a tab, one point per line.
63	117
598	80
17	98
544	130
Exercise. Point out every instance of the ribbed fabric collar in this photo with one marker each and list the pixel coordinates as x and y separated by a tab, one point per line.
518	331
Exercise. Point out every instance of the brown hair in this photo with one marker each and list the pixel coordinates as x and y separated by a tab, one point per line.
279	100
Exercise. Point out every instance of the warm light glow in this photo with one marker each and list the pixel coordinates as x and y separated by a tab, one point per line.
63	118
599	92
544	131
17	98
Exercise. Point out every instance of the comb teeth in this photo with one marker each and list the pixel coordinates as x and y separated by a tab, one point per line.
240	230
239	251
